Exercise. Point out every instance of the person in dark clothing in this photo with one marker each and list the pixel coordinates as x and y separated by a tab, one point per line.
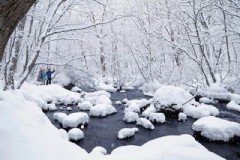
49	76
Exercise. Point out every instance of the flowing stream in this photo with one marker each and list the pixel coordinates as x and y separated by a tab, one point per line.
103	131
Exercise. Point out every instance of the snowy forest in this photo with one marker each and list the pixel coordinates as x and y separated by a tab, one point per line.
165	70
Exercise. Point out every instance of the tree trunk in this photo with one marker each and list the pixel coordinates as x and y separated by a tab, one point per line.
12	11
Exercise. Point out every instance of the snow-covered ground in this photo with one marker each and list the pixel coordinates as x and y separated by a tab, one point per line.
217	129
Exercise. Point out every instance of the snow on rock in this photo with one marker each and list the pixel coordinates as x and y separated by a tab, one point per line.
157	117
132	108
150	88
167	96
233	106
125	100
127	132
75	134
27	134
69	108
49	93
130	117
207	100
102	99
52	107
183	147
106	87
99	149
217	129
93	96
85	106
59	116
118	102
102	110
149	110
122	91
145	123
75	119
182	117
200	111
64	134
140	103
76	89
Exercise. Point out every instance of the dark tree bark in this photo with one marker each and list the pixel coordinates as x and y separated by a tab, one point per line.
11	12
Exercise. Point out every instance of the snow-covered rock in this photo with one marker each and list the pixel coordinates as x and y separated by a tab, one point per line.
132	108
102	99
206	100
59	116
106	87
69	108
169	96
157	117
200	111
75	119
64	134
118	102
182	117
85	106
102	110
145	123
130	117
52	107
123	91
139	103
233	106
75	134
149	110
76	89
217	129
125	100
99	149
94	96
127	132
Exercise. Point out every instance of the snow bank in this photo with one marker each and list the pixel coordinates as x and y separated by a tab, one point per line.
200	111
167	96
145	123
233	106
75	134
27	134
217	129
59	116
85	106
127	132
49	93
130	117
75	119
183	147
157	117
102	110
64	134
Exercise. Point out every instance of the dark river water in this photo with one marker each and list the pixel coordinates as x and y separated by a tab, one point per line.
103	131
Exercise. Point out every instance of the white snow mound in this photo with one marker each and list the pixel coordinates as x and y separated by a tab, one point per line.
217	129
75	119
59	116
102	110
85	106
157	117
145	123
233	106
127	132
75	134
130	117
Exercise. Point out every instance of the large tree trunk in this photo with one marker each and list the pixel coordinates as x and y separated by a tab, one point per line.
11	12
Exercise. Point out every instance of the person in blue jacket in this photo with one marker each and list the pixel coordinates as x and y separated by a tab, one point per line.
49	76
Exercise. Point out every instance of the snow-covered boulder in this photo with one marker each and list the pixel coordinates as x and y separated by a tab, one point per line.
94	97
59	116
149	110
233	106
200	111
75	134
97	93
102	110
100	150
216	129
52	107
130	117
207	100
75	119
127	132
168	96
157	117
106	87
145	123
64	134
85	106
182	117
118	102
76	89
102	99
140	103
132	108
125	100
